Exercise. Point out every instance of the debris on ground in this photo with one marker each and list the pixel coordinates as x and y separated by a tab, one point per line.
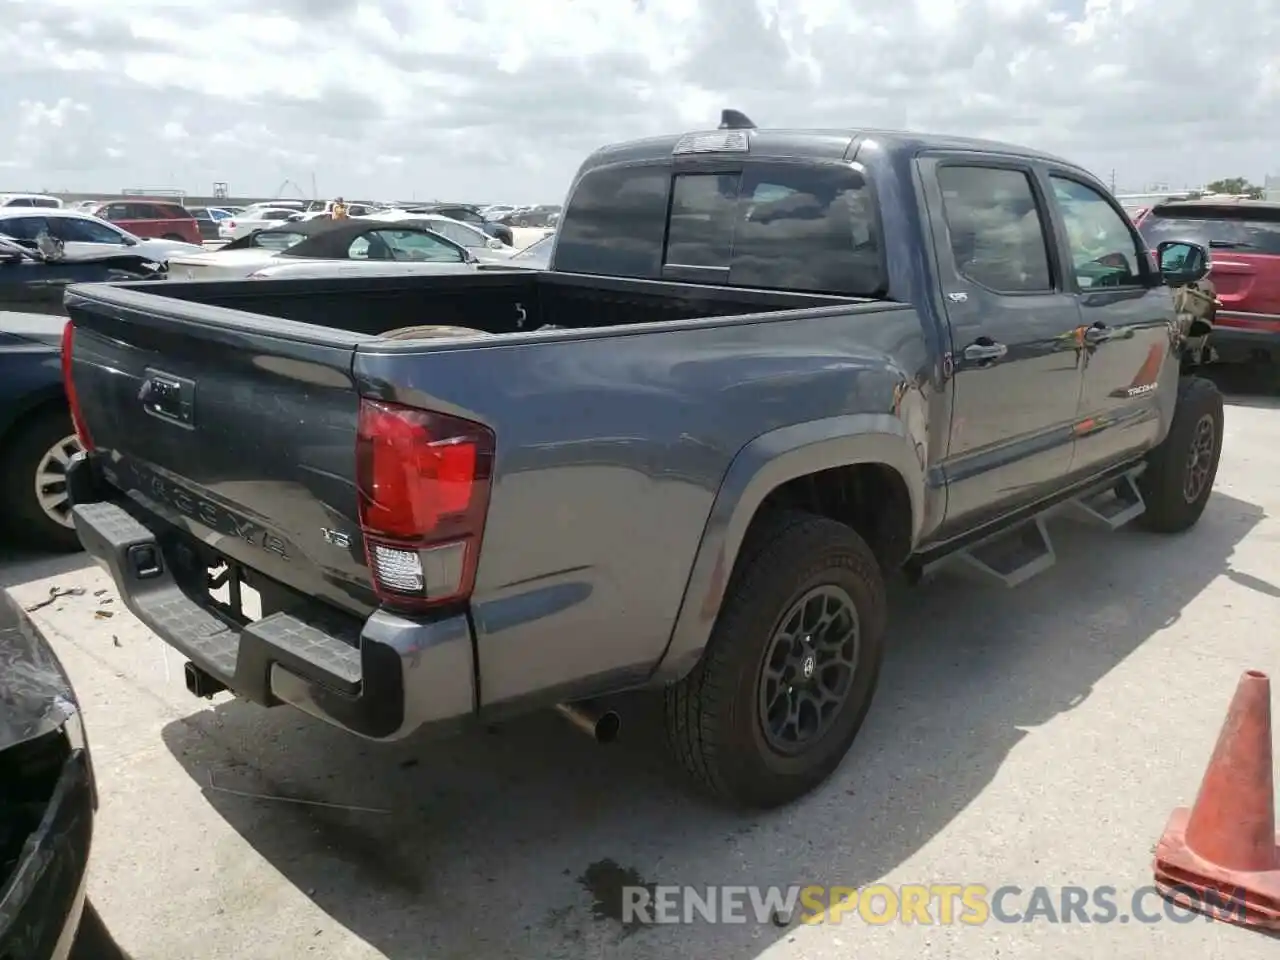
56	594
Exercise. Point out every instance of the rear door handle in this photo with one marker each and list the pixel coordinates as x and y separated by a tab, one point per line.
985	351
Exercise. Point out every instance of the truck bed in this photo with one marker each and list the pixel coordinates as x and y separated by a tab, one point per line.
494	302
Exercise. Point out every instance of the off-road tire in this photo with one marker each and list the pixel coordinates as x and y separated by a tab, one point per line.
1162	483
20	455
712	715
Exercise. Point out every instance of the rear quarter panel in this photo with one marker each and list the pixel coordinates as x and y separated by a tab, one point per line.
611	450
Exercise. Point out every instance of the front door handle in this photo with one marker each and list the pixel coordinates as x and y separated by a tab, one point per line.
1098	334
985	351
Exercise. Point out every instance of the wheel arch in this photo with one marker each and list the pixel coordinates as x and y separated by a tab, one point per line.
765	469
35	404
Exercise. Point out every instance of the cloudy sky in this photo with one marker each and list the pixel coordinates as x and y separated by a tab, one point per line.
500	99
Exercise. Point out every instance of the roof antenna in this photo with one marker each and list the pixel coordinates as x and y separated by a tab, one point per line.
735	120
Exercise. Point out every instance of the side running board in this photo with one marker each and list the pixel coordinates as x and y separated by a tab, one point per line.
1015	555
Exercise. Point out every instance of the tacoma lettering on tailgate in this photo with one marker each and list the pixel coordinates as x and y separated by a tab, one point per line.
202	510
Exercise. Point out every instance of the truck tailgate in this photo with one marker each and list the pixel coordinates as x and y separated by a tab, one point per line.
238	428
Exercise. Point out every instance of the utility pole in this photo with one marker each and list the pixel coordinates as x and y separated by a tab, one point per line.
1113	179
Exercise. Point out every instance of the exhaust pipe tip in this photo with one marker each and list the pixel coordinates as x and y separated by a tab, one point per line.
602	726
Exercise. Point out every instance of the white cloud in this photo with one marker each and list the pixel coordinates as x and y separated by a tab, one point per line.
502	98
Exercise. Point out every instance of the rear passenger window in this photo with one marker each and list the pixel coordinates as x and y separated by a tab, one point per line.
995	228
24	228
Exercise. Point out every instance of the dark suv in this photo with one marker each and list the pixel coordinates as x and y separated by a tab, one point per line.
1244	239
163	219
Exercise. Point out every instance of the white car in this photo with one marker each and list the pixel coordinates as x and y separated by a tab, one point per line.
481	245
83	233
325	248
245	223
30	200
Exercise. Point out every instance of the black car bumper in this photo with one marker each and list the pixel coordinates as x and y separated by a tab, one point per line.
382	679
1246	339
47	797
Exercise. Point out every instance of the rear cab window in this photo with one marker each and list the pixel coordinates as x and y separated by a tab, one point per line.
1247	229
789	226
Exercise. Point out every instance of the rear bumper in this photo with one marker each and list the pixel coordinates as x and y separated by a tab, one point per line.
1242	338
383	679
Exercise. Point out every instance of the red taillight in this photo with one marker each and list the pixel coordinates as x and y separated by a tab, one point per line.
423	484
69	387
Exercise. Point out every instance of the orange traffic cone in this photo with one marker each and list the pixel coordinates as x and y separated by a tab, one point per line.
1222	857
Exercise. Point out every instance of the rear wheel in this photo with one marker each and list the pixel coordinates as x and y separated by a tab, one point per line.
1181	471
174	236
34	481
789	672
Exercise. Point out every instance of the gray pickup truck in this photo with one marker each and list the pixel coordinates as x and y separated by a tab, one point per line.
765	371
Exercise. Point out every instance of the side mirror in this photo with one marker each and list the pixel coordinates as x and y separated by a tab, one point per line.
1182	262
130	241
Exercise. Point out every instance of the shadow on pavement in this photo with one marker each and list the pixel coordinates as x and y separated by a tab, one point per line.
18	565
93	941
514	843
1247	386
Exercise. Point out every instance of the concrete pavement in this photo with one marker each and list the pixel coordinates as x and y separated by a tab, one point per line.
1039	736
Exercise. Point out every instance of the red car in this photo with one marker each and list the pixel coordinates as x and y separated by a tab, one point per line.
163	219
1243	237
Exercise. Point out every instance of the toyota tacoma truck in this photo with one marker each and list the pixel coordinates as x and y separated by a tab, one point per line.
765	371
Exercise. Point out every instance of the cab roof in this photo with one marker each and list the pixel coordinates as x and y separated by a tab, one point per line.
815	144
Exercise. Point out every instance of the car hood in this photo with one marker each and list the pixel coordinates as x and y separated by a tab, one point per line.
37	327
218	257
35	695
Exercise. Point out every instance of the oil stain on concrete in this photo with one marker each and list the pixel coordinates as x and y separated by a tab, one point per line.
606	881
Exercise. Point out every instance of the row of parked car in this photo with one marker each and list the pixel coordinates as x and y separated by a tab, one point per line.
168	219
